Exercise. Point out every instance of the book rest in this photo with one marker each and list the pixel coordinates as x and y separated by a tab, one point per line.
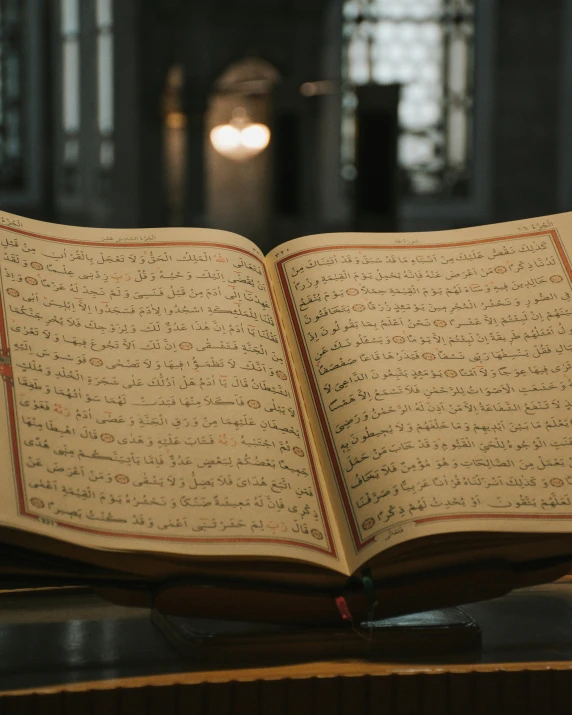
253	602
448	633
230	622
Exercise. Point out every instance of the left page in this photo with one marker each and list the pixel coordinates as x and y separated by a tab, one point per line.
148	399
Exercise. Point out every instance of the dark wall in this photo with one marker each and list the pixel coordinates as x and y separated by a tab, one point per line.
527	108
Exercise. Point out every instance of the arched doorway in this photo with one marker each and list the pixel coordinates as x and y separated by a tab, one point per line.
238	193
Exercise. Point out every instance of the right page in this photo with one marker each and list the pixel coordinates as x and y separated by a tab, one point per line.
439	372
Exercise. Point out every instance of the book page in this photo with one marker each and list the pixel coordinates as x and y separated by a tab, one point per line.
439	367
148	398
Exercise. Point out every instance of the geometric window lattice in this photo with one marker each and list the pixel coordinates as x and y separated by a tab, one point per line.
427	47
11	123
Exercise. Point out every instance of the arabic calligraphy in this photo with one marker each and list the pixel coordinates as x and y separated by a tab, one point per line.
443	376
153	392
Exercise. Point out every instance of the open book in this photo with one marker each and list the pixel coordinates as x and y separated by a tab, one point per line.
174	402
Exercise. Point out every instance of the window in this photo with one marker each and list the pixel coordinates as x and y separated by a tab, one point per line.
71	98
104	24
11	139
427	47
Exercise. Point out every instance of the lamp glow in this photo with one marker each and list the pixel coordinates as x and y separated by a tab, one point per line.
225	138
256	136
241	139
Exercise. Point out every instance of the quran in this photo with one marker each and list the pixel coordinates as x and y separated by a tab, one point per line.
175	403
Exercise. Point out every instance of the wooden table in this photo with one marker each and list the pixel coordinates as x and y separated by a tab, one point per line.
68	653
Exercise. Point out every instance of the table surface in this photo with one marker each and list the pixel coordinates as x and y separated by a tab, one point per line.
75	641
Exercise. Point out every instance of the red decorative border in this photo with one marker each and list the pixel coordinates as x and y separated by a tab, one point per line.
202	540
359	545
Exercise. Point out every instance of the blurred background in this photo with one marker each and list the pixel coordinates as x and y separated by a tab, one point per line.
280	118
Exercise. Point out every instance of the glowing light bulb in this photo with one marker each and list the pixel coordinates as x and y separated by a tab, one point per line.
255	136
240	140
225	138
